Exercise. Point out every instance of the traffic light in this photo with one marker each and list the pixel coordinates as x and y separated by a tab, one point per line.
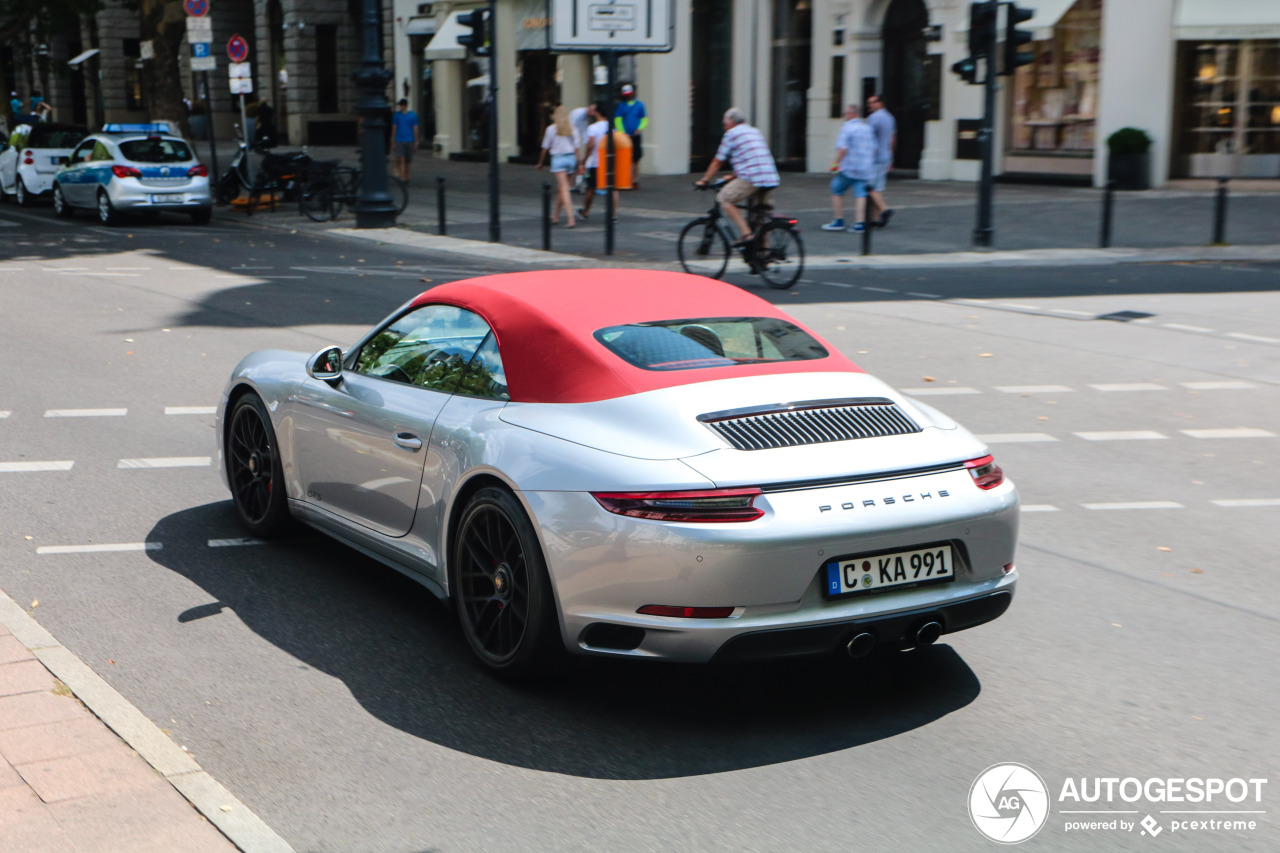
1015	38
982	28
476	41
966	69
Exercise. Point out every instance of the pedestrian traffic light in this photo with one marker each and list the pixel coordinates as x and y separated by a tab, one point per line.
966	69
982	28
477	40
1015	38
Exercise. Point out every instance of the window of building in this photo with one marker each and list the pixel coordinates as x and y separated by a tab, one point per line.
1055	98
327	68
133	75
1229	123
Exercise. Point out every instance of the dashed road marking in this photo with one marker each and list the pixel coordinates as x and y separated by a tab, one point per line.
237	542
1018	306
190	410
1039	508
1136	505
1261	339
86	413
1123	435
98	549
1130	386
26	467
923	295
941	390
1184	328
166	462
1237	432
878	289
1219	385
1034	389
1017	437
1247	502
4	415
1072	312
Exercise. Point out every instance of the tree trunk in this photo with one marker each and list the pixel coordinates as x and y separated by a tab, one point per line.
164	23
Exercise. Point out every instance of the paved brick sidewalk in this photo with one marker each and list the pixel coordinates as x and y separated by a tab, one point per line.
68	783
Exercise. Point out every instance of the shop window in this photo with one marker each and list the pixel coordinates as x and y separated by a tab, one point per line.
1055	97
1230	108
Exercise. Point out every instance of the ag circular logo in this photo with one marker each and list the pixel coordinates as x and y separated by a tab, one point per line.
1008	803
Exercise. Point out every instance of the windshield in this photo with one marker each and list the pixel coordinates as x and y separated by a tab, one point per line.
156	150
710	342
55	137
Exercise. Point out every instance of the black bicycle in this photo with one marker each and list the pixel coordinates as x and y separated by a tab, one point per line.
329	186
774	252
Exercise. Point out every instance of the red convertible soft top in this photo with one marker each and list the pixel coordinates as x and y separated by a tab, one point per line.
544	322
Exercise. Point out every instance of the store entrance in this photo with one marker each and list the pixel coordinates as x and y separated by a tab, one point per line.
906	81
536	93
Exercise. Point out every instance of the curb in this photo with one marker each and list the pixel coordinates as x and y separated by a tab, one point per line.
218	805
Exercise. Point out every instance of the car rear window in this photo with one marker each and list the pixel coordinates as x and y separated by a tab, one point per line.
710	342
155	150
55	137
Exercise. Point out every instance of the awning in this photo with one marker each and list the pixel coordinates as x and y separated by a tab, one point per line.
420	27
1046	17
444	44
1239	19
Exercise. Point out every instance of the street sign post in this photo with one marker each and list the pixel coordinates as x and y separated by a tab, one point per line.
200	35
237	48
196	8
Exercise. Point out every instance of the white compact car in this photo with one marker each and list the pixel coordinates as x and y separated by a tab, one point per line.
628	463
32	156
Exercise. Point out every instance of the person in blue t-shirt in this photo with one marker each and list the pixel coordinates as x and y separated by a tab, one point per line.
405	138
630	118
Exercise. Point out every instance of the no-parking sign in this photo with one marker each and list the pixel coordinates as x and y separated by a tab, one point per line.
237	48
196	8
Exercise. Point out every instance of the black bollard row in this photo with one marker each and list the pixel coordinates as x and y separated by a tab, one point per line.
1108	199
440	227
546	216
1220	214
866	237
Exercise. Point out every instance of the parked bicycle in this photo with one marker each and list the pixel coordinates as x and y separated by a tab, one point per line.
774	252
278	175
236	178
330	186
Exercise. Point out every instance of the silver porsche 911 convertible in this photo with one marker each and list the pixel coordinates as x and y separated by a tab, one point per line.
627	463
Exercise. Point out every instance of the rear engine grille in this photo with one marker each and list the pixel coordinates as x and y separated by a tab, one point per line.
795	424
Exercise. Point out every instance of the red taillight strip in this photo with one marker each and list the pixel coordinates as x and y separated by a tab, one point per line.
198	171
125	172
686	612
985	472
706	506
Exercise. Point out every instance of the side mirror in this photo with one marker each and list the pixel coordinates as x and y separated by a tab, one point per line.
326	365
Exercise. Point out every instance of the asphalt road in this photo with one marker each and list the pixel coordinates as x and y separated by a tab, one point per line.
1134	406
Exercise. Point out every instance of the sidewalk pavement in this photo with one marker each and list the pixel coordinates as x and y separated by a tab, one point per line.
931	218
82	770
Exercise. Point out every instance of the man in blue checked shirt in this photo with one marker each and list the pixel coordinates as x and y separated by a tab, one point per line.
753	169
854	168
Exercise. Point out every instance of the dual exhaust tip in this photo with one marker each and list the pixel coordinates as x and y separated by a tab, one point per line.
925	634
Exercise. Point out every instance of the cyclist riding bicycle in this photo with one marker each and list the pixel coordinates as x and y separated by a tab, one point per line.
753	169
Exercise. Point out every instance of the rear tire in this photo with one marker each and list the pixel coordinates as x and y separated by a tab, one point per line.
202	216
316	201
21	194
254	469
60	207
107	214
703	248
780	255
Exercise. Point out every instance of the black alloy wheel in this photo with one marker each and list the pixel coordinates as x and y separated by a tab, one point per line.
501	589
254	470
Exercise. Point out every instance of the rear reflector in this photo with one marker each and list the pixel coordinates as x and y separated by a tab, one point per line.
985	472
686	612
711	506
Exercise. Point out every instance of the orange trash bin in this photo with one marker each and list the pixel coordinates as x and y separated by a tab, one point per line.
622	165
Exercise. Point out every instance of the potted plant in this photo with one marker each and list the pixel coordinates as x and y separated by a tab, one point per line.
1129	159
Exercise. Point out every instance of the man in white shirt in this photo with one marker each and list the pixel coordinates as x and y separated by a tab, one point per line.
597	139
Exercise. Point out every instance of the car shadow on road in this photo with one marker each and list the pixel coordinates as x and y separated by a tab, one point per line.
398	650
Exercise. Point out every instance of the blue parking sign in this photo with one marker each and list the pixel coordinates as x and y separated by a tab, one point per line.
201	48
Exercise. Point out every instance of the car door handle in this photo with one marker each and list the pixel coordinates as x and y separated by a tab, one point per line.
407	440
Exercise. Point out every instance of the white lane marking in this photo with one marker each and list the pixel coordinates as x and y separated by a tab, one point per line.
4	415
837	284
86	413
1238	432
1220	385
1016	437
65	269
251	268
1039	508
923	295
115	274
1184	328
95	549
7	224
1019	306
236	277
166	462
130	269
1136	505
1072	312
1034	389
23	467
1238	502
940	391
1262	339
878	289
233	543
1123	435
1130	386
190	410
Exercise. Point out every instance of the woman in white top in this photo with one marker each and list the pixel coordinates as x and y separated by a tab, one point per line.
561	142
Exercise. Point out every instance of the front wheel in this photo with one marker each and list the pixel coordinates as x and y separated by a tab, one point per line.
500	587
316	201
254	469
780	255
703	248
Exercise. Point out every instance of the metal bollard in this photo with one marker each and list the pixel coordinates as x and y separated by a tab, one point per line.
546	216
866	236
1220	214
440	227
1108	199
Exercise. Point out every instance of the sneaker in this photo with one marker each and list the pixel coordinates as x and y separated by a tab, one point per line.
857	228
582	214
834	225
884	219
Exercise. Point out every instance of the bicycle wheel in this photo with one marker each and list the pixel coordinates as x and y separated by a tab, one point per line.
399	191
316	200
703	249
346	182
780	255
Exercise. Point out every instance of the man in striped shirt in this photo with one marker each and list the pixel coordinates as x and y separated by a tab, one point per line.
753	169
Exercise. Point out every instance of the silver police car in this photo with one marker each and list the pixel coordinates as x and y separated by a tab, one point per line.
133	168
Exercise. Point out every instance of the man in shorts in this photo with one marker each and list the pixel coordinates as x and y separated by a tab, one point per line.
854	167
405	138
886	130
753	169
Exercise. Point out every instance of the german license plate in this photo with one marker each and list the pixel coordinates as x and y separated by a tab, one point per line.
169	197
871	573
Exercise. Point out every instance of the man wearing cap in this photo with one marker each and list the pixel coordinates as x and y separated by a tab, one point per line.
629	117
